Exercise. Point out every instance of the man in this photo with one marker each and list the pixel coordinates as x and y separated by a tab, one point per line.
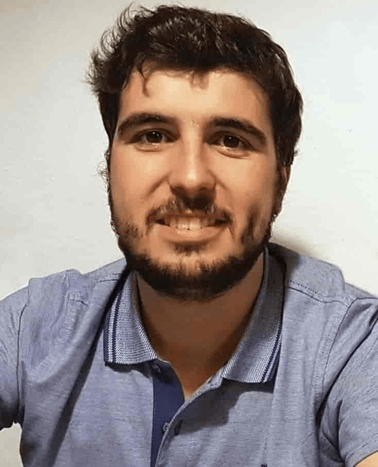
209	346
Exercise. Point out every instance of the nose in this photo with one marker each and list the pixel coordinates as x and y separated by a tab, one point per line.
191	172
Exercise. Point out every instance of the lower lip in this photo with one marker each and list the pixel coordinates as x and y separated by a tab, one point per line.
190	236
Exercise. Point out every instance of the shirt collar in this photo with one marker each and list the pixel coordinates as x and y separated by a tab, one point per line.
256	356
126	341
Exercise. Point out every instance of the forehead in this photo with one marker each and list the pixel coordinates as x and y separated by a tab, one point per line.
187	95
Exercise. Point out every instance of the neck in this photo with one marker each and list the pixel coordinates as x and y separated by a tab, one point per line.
199	338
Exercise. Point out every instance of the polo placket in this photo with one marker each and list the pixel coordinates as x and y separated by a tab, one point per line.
168	398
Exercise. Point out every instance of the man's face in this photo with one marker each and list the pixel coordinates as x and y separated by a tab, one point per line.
194	183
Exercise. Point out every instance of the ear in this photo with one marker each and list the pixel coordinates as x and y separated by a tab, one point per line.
283	180
285	177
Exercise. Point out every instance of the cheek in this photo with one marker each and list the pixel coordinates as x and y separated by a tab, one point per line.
253	193
135	173
129	182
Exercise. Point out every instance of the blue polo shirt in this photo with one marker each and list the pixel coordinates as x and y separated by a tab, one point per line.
79	374
126	343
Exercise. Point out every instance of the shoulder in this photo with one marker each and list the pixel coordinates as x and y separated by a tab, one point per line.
317	279
320	304
73	283
68	281
325	319
49	304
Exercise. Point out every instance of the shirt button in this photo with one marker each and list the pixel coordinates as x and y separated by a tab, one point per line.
177	428
164	428
156	368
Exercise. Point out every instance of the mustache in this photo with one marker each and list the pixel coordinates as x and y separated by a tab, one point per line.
179	206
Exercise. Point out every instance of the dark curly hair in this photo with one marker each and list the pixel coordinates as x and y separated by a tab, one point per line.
196	40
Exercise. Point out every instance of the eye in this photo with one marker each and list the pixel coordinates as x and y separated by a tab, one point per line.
228	141
151	137
231	141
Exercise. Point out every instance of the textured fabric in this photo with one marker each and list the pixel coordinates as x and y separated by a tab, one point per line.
168	398
299	391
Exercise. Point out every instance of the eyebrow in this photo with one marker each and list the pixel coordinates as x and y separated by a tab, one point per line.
142	118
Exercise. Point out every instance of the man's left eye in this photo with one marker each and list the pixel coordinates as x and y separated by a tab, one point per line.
231	142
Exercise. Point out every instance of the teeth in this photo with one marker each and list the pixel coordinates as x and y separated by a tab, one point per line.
183	223
194	224
172	222
188	223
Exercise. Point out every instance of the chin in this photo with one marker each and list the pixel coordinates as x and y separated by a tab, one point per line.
196	278
191	270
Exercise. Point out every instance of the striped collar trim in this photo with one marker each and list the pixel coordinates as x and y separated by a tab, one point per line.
126	341
255	359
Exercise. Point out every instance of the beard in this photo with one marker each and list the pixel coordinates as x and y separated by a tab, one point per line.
208	280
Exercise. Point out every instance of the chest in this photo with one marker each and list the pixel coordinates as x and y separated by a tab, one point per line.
107	418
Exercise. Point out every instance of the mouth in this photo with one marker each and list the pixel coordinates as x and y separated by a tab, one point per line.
191	223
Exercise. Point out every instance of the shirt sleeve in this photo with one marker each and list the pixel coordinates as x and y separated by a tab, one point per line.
11	309
351	411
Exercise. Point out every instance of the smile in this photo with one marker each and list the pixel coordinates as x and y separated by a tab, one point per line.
189	223
189	229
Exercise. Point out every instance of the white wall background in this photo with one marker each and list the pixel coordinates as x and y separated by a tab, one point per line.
53	210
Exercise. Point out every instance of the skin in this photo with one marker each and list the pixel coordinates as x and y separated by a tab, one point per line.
189	157
371	461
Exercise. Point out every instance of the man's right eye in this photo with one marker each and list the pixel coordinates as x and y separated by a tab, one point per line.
150	137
